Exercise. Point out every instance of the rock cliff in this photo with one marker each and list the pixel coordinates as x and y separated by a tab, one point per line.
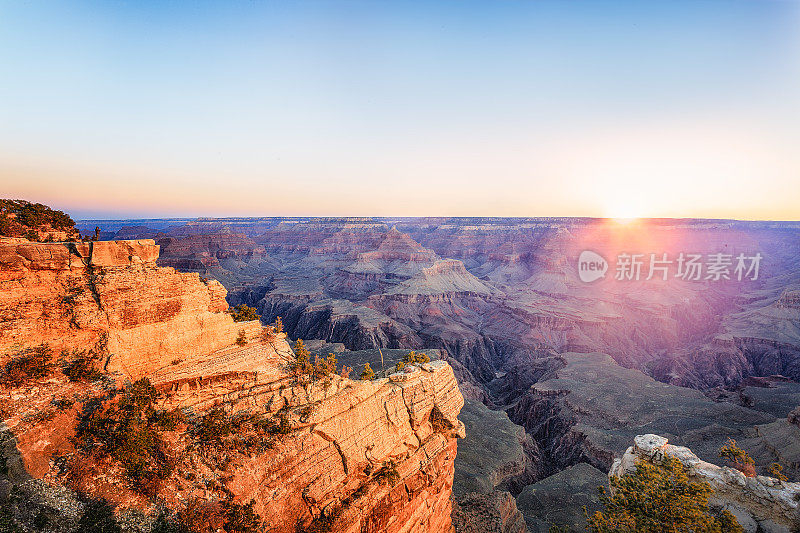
759	503
71	295
351	455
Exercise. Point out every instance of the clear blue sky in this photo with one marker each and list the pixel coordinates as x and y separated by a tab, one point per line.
402	108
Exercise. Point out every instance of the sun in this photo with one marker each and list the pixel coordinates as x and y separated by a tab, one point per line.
623	210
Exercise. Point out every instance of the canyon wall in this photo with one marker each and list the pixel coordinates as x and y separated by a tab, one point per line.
355	455
72	295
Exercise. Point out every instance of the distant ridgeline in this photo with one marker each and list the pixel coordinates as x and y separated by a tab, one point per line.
35	222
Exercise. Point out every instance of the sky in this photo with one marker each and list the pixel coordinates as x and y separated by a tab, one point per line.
125	109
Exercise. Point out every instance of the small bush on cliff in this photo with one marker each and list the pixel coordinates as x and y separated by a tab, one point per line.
738	458
658	498
241	518
410	359
80	365
267	334
244	313
129	430
387	473
165	523
306	372
301	367
244	432
732	452
367	374
278	325
325	367
28	364
414	357
208	517
776	470
214	425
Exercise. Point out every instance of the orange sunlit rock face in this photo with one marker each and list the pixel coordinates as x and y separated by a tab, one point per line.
173	329
70	294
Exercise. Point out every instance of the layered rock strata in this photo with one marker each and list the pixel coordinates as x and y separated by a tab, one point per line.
72	295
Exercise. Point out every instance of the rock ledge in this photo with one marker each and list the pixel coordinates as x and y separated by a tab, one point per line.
759	503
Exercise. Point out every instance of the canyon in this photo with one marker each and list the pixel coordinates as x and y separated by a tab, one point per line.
566	372
339	454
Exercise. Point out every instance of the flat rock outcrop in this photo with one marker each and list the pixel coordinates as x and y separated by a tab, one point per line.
759	503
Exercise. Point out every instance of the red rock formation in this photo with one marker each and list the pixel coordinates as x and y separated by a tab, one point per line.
172	328
397	246
71	294
199	252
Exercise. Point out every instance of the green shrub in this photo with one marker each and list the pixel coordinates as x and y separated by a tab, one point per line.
367	373
387	473
658	498
80	365
62	403
738	458
734	454
776	470
414	357
214	425
244	313
7	522
207	517
129	430
240	518
29	215
301	367
244	432
241	340
6	231
325	367
167	524
98	517
306	372
28	364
